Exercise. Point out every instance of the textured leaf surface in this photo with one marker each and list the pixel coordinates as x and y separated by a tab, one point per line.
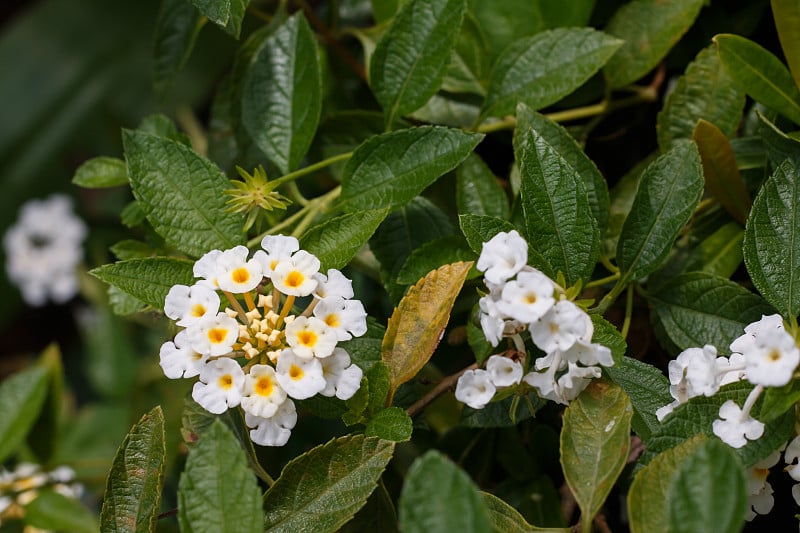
772	239
320	490
417	324
181	193
101	172
787	21
227	14
647	389
506	519
438	496
148	279
21	398
177	27
392	168
477	190
479	229
282	94
410	59
705	91
542	69
337	240
594	443
432	255
217	492
391	423
760	74
649	29
133	488
668	192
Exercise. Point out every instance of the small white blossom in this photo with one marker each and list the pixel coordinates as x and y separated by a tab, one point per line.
731	369
235	273
301	378
277	248
503	371
206	269
475	388
262	394
494	324
220	385
188	305
561	326
527	297
295	276
503	256
273	431
770	353
575	380
694	373
347	318
735	427
760	498
791	455
588	354
342	378
213	335
178	360
334	285
310	337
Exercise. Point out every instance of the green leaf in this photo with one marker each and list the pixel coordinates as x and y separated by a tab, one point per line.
787	22
777	144
719	254
44	438
647	389
432	255
378	514
608	335
148	279
392	168
705	91
322	489
163	126
181	193
649	29
379	384
417	323
760	74
335	241
772	240
622	196
438	496
558	219
498	414
697	486
479	229
101	172
56	512
698	308
282	94
131	249
506	519
391	423
133	488
227	14
778	400
567	147
217	491
595	441
21	399
177	26
410	59
668	192
477	190
110	357
542	69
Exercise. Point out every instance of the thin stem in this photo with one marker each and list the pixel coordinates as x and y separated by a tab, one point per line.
287	306
193	128
751	399
236	306
312	168
294	193
437	391
248	299
277	227
603	281
606	262
609	298
626	324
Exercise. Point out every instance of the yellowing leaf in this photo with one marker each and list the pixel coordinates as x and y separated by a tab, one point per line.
416	325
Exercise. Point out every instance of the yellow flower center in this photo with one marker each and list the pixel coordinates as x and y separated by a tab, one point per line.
307	338
217	335
273	264
294	279
264	386
774	355
332	320
553	327
198	310
225	382
296	373
530	298
240	275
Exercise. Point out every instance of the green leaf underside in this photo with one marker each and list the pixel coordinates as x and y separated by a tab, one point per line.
390	424
282	94
177	26
337	240
438	496
649	29
101	172
181	193
698	308
227	14
410	59
594	443
148	279
668	192
541	69
760	74
772	239
322	489
392	168
647	389
217	491
133	488
21	399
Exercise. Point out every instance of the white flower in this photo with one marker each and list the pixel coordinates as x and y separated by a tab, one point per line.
494	324
347	318
335	284
43	249
731	369
791	455
561	326
760	498
273	431
342	378
528	297
213	335
694	373
475	388
503	371
662	412
770	353
310	337
235	273
301	378
575	380
206	268
295	276
277	248
588	354
262	394
220	385
177	358
503	256
736	427
188	305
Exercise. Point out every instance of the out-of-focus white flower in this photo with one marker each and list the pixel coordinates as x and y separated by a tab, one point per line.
220	385
561	326
475	388
213	335
770	353
791	455
301	378
295	276
342	378
760	491
262	394
503	371
188	305
310	337
277	248
346	318
736	427
334	285
694	373
43	249
731	369
527	297
503	256
178	360
588	354
273	431
235	273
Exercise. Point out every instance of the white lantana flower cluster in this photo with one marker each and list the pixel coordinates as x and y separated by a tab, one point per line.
43	249
21	486
766	356
520	299
761	498
286	356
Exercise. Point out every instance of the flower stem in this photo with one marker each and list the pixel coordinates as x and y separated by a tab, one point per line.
236	306
437	391
626	324
312	168
602	281
287	306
